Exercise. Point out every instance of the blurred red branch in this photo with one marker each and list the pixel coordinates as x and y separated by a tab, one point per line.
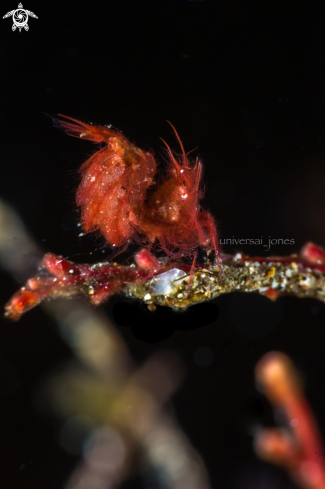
297	447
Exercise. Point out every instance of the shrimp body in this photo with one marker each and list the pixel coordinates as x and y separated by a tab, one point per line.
117	197
114	181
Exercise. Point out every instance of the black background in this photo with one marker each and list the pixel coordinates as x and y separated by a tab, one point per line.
245	84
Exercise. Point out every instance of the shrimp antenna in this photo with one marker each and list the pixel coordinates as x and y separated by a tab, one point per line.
191	151
171	155
178	138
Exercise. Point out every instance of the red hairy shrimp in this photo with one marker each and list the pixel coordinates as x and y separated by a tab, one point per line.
114	181
117	195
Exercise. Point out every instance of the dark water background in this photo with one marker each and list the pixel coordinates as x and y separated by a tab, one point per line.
245	84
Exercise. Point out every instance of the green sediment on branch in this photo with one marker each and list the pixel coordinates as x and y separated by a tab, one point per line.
271	279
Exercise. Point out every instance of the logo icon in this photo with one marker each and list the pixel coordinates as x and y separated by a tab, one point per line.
20	18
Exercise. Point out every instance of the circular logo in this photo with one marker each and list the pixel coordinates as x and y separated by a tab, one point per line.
20	19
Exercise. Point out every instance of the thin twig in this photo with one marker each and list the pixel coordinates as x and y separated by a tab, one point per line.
295	447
